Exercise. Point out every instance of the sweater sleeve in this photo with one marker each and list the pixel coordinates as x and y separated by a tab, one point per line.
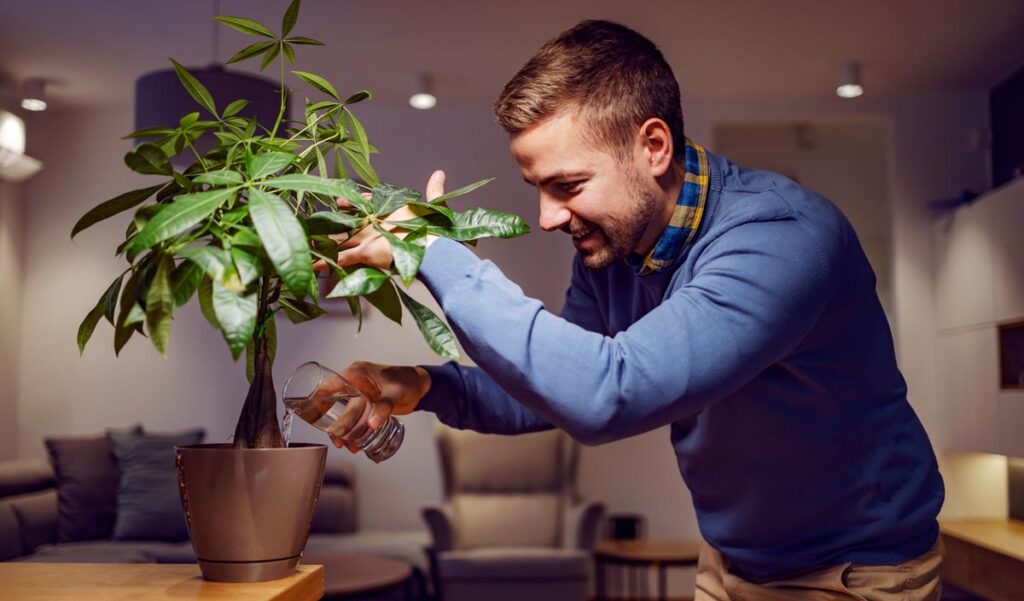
468	398
757	290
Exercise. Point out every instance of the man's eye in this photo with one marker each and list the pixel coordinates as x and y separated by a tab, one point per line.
569	186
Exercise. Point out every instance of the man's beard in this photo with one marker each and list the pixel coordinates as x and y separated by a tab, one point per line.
620	235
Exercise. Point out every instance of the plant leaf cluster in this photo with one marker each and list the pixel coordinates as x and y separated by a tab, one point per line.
241	225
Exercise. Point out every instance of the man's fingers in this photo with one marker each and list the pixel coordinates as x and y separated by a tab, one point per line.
379	414
435	186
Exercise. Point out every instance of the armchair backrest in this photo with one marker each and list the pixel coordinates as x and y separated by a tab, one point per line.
508	491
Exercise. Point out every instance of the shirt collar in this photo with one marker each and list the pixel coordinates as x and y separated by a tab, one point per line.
686	217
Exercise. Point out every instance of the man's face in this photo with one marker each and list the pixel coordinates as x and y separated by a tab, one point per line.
605	204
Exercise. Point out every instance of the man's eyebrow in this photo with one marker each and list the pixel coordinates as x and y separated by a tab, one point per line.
558	175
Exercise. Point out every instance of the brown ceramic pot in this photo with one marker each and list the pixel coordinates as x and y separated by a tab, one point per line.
249	510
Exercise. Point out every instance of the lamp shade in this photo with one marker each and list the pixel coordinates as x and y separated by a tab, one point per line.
15	166
161	100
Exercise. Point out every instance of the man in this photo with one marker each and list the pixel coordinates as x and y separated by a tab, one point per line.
730	303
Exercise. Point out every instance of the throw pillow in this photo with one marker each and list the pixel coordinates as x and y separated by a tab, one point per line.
86	476
148	500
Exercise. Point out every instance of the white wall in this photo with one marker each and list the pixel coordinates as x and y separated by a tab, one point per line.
10	315
843	160
929	156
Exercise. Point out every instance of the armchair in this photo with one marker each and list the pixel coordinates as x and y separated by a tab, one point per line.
512	525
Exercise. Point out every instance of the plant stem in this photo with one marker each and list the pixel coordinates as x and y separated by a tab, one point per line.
257	425
280	114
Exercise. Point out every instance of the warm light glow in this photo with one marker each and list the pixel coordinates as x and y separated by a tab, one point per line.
849	91
33	104
422	101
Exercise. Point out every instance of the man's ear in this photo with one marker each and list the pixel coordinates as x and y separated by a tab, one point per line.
655	142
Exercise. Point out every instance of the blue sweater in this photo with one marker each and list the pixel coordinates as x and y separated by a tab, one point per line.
764	346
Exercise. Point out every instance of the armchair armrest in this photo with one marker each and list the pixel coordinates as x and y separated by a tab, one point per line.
442	529
582	522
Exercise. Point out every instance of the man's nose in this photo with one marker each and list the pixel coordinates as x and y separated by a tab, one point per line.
553	214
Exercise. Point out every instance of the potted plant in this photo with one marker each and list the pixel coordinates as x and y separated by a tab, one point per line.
239	228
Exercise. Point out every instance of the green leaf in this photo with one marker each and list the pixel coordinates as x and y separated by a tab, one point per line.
358	132
289	52
290	17
160	305
235	106
283	238
236	315
246	53
249	267
304	182
197	90
339	166
362	166
150	132
206	302
246	26
219	177
304	41
436	333
177	217
360	282
482	223
112	207
123	330
461	191
387	199
269	163
136	315
215	261
104	307
148	159
386	300
184	282
318	82
327	222
434	208
359	96
407	254
189	119
270	55
299	311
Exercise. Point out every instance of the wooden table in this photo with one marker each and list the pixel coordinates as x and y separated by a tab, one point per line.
348	575
659	554
984	556
150	581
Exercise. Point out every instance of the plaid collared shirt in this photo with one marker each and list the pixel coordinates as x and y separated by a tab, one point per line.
682	227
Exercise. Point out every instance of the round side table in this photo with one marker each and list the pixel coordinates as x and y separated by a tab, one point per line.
643	554
349	575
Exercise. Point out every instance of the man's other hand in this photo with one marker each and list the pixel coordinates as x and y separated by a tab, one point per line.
386	390
370	248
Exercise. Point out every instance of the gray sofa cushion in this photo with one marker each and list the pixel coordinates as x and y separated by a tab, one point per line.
515	563
86	474
36	514
148	500
10	537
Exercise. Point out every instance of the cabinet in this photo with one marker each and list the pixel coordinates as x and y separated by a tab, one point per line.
979	283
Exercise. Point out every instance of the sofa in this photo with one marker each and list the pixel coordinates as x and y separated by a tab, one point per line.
29	517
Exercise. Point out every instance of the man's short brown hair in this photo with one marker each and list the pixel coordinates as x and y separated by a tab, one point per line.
616	77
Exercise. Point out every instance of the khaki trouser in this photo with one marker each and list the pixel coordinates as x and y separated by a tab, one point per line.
914	580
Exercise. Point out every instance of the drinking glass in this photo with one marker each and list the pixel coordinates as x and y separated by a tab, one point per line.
318	395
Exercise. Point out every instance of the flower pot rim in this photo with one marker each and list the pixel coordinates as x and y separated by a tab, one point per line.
220	447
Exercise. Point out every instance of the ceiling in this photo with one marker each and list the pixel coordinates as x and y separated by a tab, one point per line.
722	49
